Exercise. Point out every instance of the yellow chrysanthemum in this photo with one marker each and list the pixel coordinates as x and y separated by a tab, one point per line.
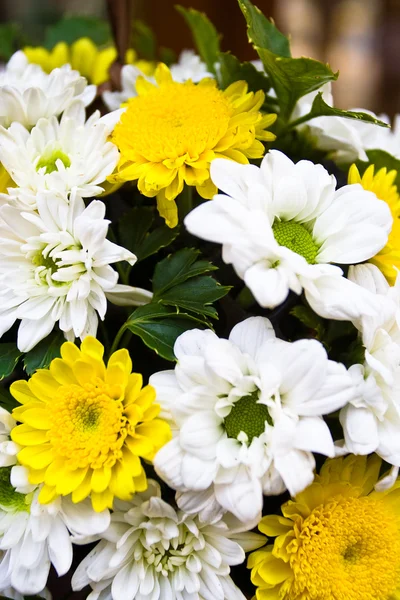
337	540
171	132
85	426
84	56
382	184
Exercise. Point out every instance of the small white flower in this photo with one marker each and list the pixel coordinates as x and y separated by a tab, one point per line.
283	224
55	267
8	449
35	536
189	66
151	551
59	157
27	93
246	416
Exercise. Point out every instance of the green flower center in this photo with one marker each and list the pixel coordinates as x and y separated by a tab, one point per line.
296	237
249	416
10	500
48	160
44	261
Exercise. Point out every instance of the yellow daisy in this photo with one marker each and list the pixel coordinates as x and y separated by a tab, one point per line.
85	426
84	56
382	184
171	132
337	540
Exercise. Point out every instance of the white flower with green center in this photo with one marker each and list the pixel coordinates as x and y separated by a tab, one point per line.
151	551
283	225
58	157
8	449
55	267
27	93
246	413
34	536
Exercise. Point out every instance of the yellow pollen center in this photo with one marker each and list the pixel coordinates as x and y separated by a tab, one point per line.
348	549
88	426
173	121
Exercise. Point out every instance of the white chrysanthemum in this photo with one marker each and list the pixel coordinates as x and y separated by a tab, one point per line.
59	157
281	225
8	449
55	267
34	536
247	415
27	93
151	551
11	593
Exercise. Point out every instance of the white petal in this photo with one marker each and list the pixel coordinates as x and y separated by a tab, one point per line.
249	335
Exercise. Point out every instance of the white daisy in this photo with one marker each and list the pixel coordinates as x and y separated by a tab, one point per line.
27	93
281	225
34	536
151	551
8	449
55	267
11	593
247	416
59	157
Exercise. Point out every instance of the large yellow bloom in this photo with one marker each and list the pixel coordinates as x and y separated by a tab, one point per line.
86	425
337	540
171	132
382	184
84	56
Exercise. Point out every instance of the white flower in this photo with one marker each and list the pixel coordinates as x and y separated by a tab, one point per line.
281	225
59	157
152	552
8	449
304	104
35	536
189	66
27	93
55	267
247	416
10	592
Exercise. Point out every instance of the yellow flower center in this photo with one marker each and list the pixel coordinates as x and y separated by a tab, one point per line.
348	549
88	426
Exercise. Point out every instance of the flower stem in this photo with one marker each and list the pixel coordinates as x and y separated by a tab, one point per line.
117	339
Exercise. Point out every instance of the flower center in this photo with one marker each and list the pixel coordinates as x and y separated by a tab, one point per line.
10	500
348	549
173	121
296	237
88	425
49	159
249	416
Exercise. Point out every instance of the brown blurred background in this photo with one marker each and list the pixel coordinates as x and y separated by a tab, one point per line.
361	38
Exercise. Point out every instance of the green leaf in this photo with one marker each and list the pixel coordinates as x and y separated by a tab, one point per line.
159	326
310	319
177	268
167	55
9	356
231	70
7	401
43	353
321	109
293	78
381	159
9	39
159	238
205	35
144	41
70	29
196	295
133	227
262	32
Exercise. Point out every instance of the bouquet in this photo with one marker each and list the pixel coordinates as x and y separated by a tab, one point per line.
200	324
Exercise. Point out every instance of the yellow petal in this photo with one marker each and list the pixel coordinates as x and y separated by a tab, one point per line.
43	385
22	392
167	209
101	479
163	74
141	483
101	501
70	480
146	397
70	353
273	525
274	571
38	418
29	436
36	457
121	357
134	385
84	372
139	445
62	372
92	347
84	489
47	494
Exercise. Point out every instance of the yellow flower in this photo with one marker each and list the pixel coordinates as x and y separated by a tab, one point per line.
84	56
172	131
5	180
382	184
85	426
337	540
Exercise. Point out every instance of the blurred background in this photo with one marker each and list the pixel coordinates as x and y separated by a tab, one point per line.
361	38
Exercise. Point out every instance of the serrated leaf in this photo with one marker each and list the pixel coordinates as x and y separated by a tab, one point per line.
381	159
177	268
196	295
293	78
321	109
133	227
70	29
262	32
231	70
143	40
159	238
44	352
7	401
204	34
9	356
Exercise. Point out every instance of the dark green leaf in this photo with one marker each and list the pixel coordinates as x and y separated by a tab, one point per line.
9	39
177	268
321	108
262	32
381	159
133	227
43	353
144	41
9	356
70	29
205	35
293	78
7	401
167	55
311	320
231	70
159	238
196	294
